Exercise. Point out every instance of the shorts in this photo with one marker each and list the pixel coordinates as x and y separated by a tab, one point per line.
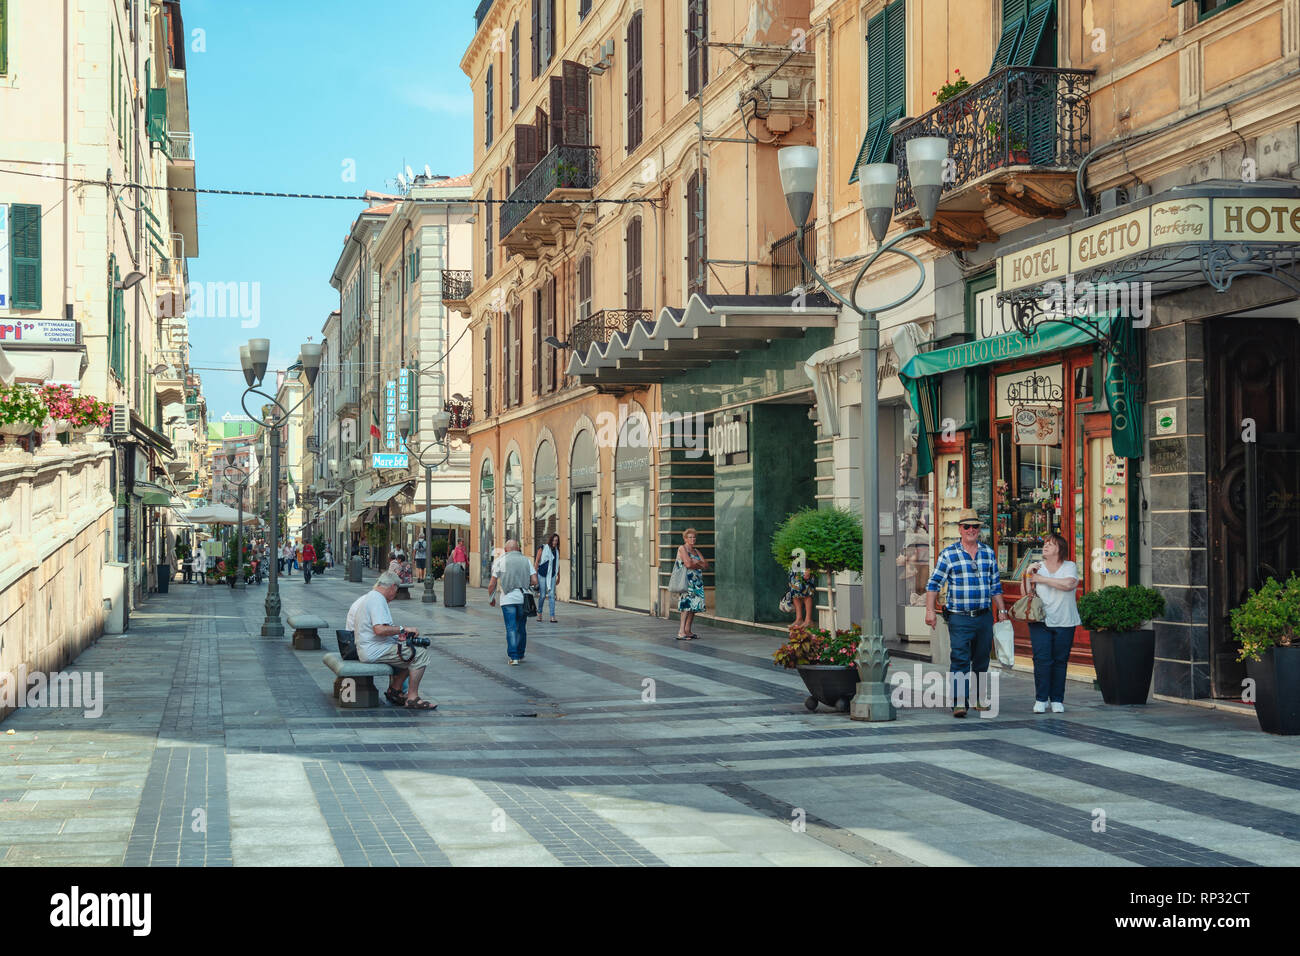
419	563
391	658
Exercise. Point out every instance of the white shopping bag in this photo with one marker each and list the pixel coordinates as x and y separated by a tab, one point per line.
1004	643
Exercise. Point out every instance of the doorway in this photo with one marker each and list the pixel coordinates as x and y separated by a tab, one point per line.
1253	486
584	546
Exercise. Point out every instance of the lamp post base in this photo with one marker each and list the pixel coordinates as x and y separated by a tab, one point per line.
428	597
272	628
872	702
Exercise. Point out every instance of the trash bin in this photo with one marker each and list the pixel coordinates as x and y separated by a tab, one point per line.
453	585
354	569
164	577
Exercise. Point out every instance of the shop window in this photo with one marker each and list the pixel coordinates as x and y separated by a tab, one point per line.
915	520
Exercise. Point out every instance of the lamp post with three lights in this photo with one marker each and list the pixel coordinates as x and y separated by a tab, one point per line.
440	421
254	357
926	161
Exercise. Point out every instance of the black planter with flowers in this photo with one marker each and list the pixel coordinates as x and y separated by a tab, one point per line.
825	662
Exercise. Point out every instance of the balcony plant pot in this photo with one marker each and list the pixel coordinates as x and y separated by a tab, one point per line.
1124	661
17	429
1277	689
829	684
1020	157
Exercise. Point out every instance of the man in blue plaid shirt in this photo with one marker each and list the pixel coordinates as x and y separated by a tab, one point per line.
974	589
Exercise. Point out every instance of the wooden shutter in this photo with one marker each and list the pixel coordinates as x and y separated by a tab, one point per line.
25	256
526	151
536	39
488	118
634	82
696	232
877	89
538	319
4	38
634	264
488	244
557	111
543	126
552	355
1036	29
1013	27
517	357
575	103
487	369
548	34
514	67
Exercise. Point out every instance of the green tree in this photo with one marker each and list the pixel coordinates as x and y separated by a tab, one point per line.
828	539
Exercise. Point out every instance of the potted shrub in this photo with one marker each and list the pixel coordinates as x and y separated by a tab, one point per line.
1123	655
1019	152
830	539
436	567
825	662
1267	625
950	89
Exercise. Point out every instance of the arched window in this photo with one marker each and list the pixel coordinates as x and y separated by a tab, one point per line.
545	500
486	513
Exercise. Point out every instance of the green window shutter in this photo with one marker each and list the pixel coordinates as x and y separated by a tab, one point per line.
1177	3
1035	30
877	67
885	139
867	148
896	58
1014	14
886	83
25	256
4	37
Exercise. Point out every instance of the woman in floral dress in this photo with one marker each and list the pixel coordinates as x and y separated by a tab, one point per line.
692	599
803	591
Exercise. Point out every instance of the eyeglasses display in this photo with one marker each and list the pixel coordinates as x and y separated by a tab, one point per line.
1107	558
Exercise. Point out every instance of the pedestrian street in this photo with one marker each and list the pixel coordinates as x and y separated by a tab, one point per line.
611	744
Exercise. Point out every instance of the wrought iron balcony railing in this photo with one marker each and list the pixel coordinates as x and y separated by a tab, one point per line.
787	271
601	326
182	145
312	443
457	284
1018	116
461	412
564	167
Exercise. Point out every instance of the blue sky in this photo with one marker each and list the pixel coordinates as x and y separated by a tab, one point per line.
283	95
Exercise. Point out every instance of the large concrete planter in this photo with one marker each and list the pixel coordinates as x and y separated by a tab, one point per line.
1277	689
1124	661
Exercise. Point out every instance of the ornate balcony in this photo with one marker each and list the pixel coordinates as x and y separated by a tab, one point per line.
602	325
1016	139
530	228
457	284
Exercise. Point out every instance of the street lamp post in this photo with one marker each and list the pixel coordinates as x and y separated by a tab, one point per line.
926	157
254	357
440	421
240	583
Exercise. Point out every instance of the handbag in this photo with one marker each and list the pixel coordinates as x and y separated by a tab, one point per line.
1004	643
347	645
530	603
1028	608
677	583
787	602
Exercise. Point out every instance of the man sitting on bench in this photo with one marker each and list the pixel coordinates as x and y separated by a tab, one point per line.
379	641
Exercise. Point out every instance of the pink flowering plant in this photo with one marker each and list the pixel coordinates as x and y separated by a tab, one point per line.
950	89
79	411
812	645
20	405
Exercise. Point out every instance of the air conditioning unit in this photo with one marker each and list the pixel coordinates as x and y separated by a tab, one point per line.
121	421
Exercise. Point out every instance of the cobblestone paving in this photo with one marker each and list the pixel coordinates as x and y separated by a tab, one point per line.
612	745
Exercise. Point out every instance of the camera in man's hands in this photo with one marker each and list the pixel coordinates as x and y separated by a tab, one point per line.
411	639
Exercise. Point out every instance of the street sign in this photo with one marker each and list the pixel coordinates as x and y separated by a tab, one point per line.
388	460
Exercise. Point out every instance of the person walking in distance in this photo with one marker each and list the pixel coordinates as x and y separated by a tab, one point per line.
421	556
1054	581
511	573
970	569
548	569
692	600
308	558
200	566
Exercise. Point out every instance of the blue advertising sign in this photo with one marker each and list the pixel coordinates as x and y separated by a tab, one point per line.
387	460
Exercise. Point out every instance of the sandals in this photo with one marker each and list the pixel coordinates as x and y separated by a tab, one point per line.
419	703
395	697
554	621
687	637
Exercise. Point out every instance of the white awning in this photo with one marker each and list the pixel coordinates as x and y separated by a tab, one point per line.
445	490
55	366
384	495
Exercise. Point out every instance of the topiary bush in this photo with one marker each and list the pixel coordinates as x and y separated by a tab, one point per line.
1269	616
1120	609
831	540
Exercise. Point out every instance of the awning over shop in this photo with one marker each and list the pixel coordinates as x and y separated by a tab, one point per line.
152	495
362	517
55	366
383	496
445	490
148	436
330	507
710	328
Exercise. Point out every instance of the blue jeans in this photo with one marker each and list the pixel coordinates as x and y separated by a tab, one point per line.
545	589
516	630
971	641
1051	653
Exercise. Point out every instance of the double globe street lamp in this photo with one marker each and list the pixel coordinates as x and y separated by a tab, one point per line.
238	477
254	357
440	422
927	158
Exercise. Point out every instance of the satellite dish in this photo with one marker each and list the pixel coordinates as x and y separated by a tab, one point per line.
428	173
401	180
410	175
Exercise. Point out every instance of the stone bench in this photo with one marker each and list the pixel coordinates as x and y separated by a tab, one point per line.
403	593
353	684
305	627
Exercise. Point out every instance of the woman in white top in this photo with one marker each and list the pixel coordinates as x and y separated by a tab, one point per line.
1054	581
548	569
